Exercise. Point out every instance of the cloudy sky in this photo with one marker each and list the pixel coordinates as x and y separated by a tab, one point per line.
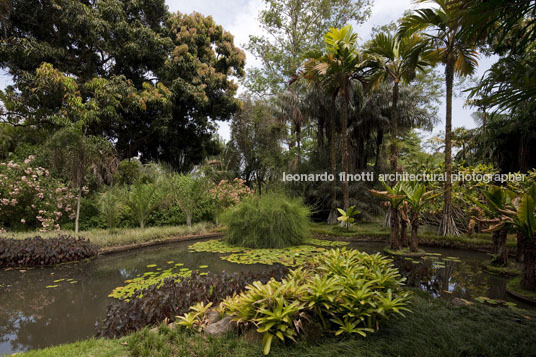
240	18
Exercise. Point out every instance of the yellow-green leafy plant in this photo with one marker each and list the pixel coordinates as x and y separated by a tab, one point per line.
196	317
344	291
347	217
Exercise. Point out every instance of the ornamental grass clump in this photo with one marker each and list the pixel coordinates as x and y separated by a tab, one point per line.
268	221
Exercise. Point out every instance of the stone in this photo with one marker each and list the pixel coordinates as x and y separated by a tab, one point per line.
458	302
212	316
221	327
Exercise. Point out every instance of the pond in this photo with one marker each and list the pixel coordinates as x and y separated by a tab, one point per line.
47	306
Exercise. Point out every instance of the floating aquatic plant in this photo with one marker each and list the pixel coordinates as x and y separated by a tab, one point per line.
147	279
291	256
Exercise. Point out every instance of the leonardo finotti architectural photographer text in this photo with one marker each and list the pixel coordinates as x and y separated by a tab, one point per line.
404	176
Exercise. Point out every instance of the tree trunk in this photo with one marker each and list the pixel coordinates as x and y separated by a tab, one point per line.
448	225
414	239
528	275
344	132
189	220
404	221
332	218
298	144
78	199
394	131
484	139
395	222
378	164
499	247
519	247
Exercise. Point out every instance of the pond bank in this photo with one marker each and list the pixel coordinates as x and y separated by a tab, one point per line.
124	248
464	330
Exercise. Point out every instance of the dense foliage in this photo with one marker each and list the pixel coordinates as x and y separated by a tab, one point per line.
340	292
267	221
171	298
38	251
151	81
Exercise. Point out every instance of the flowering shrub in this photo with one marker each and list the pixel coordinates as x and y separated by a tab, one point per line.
230	193
30	197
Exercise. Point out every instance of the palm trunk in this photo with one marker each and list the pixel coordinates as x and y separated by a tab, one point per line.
344	131
499	247
394	131
519	247
298	144
414	240
395	222
78	199
332	218
447	225
484	140
404	227
528	274
378	165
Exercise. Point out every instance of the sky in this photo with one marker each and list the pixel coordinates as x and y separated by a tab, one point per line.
239	17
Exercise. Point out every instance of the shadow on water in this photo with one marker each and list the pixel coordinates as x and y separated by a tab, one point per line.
34	316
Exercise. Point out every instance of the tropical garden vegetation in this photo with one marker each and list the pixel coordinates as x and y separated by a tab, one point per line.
109	142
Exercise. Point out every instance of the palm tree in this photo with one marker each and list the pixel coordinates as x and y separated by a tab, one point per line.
417	197
459	56
75	155
399	59
341	64
394	196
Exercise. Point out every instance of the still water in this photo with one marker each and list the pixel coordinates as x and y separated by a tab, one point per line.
34	316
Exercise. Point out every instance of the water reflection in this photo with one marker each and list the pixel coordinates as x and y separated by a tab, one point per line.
33	316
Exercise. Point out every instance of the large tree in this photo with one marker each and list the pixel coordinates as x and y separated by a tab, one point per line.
295	28
152	82
443	25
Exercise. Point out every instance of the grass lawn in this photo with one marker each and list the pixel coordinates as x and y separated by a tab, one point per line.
126	236
427	236
435	328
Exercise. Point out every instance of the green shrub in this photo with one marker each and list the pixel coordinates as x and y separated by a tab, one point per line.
38	251
268	221
342	291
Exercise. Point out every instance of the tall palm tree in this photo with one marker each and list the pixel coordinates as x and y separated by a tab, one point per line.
341	64
399	59
444	27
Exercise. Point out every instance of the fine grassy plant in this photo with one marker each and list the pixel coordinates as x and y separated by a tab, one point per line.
267	221
347	217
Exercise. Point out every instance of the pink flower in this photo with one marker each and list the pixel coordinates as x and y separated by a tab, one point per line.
22	220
